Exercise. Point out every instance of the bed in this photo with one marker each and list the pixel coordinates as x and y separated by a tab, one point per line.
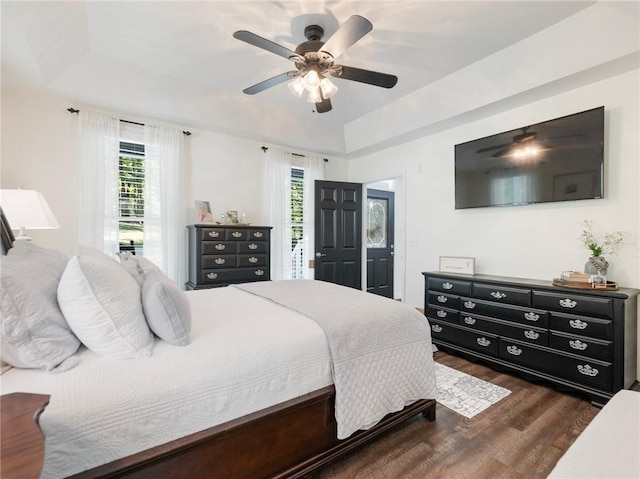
260	390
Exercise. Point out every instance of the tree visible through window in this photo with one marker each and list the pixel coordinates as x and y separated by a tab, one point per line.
131	197
297	223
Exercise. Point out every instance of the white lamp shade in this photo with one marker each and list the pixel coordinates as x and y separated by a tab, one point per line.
27	209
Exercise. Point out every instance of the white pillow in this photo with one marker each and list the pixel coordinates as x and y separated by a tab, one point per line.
34	332
136	266
166	308
101	303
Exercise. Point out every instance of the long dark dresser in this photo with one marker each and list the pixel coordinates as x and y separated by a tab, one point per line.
582	340
220	255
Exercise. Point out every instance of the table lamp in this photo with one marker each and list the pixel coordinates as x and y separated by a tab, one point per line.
27	209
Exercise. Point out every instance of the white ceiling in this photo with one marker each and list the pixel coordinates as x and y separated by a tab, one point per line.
178	62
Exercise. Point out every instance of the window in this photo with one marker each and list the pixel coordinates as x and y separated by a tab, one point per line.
297	223
131	197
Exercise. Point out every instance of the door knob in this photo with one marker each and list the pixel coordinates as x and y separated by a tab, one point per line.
320	255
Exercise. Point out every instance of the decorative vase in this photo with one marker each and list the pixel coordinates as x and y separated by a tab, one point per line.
597	266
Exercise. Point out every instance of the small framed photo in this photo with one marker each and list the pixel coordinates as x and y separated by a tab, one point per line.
457	264
203	212
232	217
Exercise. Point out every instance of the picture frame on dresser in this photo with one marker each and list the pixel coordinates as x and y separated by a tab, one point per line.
578	340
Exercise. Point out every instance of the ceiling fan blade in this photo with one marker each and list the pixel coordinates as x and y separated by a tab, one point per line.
349	33
500	153
276	80
258	41
323	106
366	76
491	148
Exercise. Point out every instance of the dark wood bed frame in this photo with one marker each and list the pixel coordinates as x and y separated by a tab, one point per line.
288	440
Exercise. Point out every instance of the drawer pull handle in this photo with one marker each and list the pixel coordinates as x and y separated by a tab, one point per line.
214	234
469	304
236	234
220	246
577	344
436	328
212	275
441	314
483	342
498	294
253	246
531	335
442	299
259	272
567	303
469	320
253	259
531	316
220	261
587	370
447	285
257	234
516	351
577	324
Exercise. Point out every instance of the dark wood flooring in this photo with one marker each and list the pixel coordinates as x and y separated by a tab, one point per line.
522	436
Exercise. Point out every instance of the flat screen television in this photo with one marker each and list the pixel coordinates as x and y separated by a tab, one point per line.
556	160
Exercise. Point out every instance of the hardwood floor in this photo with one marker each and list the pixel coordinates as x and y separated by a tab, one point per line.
522	436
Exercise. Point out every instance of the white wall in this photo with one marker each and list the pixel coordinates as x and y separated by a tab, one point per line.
532	241
39	151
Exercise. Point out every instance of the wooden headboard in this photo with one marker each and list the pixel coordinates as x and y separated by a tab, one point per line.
6	233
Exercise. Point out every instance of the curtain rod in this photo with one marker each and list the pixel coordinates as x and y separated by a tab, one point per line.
75	110
265	148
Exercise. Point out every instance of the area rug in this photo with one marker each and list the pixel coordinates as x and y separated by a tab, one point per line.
466	394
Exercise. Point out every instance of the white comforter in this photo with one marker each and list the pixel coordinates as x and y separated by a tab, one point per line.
380	349
246	354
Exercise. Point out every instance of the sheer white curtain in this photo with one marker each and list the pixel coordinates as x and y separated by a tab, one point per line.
277	204
313	170
98	207
164	204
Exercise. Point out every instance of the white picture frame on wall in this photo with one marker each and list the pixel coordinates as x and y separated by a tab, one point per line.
457	264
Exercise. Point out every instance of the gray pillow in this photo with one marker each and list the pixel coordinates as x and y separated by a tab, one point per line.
136	266
35	334
166	308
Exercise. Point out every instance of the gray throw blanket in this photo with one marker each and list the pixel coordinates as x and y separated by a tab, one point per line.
380	348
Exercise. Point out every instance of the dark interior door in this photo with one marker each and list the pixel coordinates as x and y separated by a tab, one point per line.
380	252
338	233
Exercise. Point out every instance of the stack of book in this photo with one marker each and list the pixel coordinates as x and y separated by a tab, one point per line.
575	276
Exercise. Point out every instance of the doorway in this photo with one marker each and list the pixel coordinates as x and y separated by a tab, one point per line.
379	222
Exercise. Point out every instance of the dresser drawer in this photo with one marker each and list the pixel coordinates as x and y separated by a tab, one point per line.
219	261
592	348
236	235
583	326
443	314
575	304
247	260
503	328
212	233
501	294
528	316
581	370
219	247
235	275
443	299
258	235
245	247
452	286
468	338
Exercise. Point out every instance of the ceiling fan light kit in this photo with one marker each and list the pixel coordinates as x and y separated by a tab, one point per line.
314	62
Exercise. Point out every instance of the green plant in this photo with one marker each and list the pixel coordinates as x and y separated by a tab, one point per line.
598	248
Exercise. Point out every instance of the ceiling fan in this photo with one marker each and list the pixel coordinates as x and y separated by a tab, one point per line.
518	141
314	62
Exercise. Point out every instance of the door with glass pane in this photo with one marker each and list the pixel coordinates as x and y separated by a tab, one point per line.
380	252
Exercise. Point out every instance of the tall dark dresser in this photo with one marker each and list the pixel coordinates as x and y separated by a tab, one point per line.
220	255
